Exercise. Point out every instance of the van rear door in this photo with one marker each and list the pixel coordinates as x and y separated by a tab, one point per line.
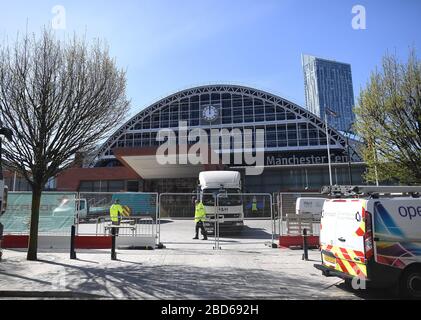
350	230
346	242
328	234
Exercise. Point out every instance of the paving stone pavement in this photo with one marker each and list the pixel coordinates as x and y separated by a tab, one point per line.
186	269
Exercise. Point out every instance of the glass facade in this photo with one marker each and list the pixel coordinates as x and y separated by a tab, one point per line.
302	178
328	84
284	127
289	130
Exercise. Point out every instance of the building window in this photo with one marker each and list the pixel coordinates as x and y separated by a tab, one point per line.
115	185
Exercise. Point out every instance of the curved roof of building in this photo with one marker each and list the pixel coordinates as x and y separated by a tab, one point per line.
268	99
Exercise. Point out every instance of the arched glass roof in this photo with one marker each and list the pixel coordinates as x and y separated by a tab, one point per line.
288	127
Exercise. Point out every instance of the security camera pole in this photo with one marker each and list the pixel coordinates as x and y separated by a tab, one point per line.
332	113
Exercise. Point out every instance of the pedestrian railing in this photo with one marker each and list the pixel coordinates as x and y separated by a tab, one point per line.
133	226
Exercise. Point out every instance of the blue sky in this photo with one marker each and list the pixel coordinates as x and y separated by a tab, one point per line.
168	45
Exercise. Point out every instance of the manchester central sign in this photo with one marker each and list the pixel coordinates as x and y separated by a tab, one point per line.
273	160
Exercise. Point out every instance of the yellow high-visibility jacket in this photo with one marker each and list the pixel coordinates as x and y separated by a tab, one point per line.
115	210
200	213
254	206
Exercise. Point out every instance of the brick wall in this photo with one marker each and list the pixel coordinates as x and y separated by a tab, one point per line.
70	179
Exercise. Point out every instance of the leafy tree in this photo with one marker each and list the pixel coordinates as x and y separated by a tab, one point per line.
58	97
389	121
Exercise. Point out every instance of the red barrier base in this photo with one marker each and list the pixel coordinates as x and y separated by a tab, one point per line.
81	242
15	242
93	242
297	241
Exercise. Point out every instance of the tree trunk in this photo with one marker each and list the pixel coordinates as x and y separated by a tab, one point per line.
33	232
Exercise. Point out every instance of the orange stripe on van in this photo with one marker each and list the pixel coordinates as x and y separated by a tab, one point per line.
341	265
359	253
359	232
345	254
357	269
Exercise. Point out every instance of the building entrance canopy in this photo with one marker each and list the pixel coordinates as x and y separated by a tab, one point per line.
146	163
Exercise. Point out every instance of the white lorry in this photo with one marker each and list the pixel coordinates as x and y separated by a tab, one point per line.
229	206
373	233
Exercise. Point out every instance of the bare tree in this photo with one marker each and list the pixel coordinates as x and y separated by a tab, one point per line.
58	97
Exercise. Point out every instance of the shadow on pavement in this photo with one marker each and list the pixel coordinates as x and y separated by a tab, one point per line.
370	293
164	221
249	233
134	281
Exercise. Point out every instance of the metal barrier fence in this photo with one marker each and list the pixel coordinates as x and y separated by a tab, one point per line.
181	205
140	213
143	213
234	211
135	226
288	222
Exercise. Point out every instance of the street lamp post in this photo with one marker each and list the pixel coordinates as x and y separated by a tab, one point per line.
328	144
349	161
349	154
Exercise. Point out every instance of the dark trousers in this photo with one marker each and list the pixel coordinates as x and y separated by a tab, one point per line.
199	225
116	223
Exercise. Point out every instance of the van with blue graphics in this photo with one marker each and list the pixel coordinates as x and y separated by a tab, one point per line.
374	234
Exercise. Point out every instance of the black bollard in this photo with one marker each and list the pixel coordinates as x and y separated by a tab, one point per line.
72	242
113	253
305	246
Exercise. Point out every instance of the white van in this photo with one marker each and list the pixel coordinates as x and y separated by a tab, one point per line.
374	238
311	207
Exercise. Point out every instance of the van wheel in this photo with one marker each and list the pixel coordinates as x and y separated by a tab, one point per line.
410	283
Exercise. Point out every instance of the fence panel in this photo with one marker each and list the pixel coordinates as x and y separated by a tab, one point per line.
57	213
244	218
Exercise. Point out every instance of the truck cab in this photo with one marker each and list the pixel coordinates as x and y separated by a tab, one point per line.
374	234
229	203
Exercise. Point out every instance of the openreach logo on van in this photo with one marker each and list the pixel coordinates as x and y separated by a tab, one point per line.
410	212
222	143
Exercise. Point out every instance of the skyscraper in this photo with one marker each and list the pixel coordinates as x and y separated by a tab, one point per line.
328	84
